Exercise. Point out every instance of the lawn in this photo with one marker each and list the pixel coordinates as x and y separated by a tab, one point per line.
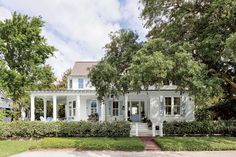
84	143
196	143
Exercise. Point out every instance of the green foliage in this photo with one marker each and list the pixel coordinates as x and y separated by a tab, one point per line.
62	84
200	128
202	114
64	129
196	143
23	53
2	115
208	27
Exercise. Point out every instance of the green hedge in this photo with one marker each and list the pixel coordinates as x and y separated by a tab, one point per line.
200	128
64	129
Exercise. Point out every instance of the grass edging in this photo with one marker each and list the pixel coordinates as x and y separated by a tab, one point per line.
196	143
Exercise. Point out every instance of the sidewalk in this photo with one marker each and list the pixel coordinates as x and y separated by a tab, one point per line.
74	153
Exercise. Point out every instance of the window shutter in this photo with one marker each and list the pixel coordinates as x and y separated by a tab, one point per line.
183	105
120	107
110	108
161	105
99	108
88	107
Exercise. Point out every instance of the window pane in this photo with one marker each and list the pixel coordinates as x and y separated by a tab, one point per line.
81	83
176	105
168	105
115	108
93	107
70	84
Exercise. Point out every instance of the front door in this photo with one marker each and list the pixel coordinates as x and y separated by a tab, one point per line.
136	110
135	115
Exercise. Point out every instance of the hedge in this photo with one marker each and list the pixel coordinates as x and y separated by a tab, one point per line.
64	129
200	128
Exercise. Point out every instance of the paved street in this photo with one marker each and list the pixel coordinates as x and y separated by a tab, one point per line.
74	153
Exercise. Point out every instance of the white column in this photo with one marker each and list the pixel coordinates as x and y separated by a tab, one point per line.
126	107
102	111
161	129
45	109
77	110
32	108
153	130
54	108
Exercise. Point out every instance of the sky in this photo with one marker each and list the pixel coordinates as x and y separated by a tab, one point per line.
78	29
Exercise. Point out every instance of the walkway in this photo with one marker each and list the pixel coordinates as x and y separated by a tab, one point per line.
149	144
73	153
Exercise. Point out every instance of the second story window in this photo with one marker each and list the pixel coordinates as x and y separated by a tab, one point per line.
70	84
81	83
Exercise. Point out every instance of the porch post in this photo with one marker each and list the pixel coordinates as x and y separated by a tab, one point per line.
54	108
45	109
32	108
126	107
77	110
102	111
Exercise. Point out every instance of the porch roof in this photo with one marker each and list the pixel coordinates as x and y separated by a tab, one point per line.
61	92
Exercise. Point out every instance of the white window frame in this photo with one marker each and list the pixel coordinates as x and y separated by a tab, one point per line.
80	86
116	113
92	108
172	106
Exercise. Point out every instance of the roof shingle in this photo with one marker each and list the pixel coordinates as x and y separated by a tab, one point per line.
81	68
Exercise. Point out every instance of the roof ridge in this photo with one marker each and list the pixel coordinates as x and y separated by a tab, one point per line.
86	61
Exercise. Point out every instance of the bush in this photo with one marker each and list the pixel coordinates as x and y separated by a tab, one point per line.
200	128
64	129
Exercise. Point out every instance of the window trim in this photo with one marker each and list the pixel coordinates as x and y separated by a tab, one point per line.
70	83
79	83
172	106
116	113
92	108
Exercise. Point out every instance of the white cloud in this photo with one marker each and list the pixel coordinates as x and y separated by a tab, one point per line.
78	29
4	13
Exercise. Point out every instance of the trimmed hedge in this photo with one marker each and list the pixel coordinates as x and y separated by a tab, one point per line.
200	128
64	129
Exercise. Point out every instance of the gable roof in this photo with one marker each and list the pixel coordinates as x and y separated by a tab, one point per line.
81	68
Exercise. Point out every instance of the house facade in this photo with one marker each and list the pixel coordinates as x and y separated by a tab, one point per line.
80	101
5	103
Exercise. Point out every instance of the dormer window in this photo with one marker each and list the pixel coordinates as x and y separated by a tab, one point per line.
70	84
81	83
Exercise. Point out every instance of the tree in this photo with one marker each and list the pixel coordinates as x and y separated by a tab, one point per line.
109	76
62	84
23	53
208	26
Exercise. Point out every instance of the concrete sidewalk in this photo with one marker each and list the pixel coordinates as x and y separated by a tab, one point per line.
74	153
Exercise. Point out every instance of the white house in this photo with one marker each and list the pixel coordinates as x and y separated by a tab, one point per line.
5	103
158	105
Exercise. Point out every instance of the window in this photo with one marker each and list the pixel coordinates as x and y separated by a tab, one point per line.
81	83
168	105
115	109
176	106
70	111
93	107
74	108
70	84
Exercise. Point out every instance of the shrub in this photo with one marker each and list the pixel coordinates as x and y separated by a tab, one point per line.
64	129
200	128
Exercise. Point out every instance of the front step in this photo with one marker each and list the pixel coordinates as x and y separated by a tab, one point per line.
143	130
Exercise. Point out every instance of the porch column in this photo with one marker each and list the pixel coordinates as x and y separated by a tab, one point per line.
126	107
102	111
45	109
32	108
54	108
77	110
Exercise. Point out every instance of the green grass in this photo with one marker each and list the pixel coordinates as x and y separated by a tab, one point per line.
8	148
196	143
92	143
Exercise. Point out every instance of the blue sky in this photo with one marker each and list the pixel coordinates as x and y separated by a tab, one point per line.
78	28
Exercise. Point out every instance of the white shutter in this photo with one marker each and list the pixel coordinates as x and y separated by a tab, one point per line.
183	106
88	107
162	109
120	107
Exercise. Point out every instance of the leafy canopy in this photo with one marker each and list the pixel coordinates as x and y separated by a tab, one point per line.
23	53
